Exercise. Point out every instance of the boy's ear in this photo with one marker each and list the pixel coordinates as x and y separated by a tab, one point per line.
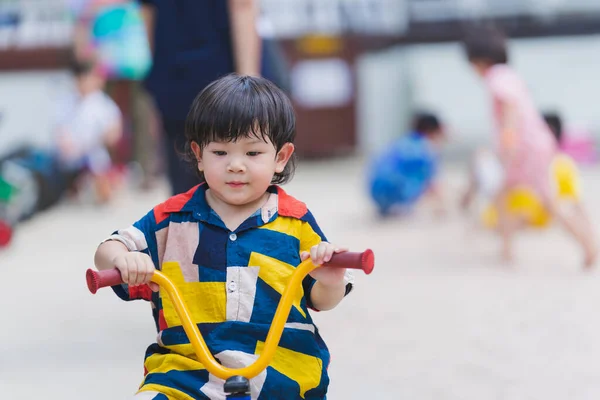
198	154
283	156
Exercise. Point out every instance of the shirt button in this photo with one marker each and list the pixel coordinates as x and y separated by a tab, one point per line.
232	286
233	237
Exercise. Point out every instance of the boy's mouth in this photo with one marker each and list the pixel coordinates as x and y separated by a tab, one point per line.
236	184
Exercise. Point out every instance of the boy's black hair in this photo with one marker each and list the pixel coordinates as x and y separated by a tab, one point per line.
486	43
237	106
426	123
78	66
554	122
81	67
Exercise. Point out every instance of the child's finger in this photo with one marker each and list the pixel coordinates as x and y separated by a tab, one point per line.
314	254
135	275
141	269
153	286
132	272
328	253
341	249
124	272
322	252
148	272
304	255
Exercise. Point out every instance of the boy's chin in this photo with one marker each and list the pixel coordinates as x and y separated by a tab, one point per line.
240	199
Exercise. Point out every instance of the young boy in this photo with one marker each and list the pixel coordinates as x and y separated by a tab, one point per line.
237	238
88	125
406	169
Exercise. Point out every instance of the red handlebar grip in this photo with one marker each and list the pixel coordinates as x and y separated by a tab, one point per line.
99	279
364	261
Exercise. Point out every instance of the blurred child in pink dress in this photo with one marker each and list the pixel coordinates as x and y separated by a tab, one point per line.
525	145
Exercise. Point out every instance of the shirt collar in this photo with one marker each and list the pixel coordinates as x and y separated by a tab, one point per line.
198	206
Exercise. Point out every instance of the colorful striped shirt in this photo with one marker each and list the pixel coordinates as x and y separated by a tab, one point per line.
231	282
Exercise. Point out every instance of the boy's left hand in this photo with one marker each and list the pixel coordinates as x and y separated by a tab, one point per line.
320	254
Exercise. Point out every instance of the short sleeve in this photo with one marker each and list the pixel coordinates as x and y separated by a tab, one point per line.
310	236
504	83
139	237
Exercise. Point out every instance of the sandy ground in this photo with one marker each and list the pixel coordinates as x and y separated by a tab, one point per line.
440	318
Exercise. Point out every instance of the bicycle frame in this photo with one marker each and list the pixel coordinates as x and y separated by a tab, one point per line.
237	384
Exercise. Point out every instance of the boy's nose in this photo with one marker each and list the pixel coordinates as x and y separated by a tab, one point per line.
236	165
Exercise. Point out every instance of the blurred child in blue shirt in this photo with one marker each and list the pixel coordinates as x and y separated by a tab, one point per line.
406	169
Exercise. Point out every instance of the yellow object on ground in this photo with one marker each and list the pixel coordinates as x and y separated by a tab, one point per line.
525	205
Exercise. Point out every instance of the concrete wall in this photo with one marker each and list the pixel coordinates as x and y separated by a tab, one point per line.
384	97
27	102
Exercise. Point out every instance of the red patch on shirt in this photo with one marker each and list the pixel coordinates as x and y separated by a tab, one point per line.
289	206
162	323
173	204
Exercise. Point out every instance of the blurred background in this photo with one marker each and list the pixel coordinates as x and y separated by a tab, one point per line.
351	44
441	317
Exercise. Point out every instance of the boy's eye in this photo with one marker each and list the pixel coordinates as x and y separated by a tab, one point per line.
253	153
219	153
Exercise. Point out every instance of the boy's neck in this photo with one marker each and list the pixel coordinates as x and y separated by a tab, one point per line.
234	215
84	92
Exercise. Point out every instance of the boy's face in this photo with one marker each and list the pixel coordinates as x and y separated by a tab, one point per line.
437	138
480	67
240	172
90	82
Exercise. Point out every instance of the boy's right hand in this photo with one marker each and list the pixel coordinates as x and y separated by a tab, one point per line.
136	269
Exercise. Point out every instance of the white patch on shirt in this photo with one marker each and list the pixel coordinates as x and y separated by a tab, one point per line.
270	208
301	326
131	237
161	243
241	291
